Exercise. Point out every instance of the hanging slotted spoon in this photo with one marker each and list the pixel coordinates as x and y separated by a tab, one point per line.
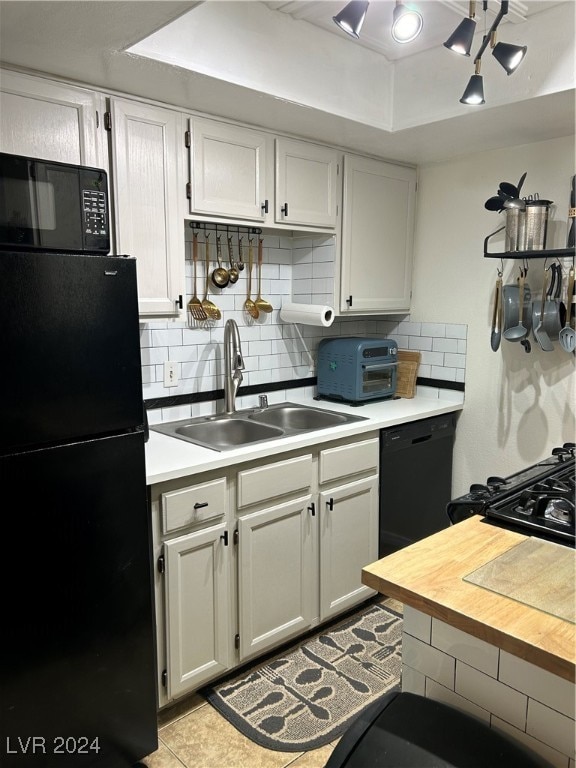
567	336
195	305
249	305
208	306
262	304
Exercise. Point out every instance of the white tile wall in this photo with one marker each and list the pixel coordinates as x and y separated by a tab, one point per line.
538	684
417	624
429	661
520	699
471	650
299	269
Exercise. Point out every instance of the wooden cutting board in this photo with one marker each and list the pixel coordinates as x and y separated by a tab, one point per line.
537	573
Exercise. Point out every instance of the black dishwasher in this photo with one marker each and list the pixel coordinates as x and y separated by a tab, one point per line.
415	480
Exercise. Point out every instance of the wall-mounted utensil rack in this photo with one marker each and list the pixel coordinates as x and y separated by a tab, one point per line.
543	254
224	228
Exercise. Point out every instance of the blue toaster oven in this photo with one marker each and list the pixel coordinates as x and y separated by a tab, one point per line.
357	369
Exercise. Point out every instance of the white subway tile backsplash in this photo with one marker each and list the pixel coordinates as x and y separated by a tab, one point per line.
471	650
420	342
444	345
432	358
430	661
537	683
455	361
417	624
413	681
294	268
444	374
433	329
492	695
439	693
545	723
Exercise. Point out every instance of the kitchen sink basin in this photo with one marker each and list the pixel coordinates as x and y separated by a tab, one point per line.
224	433
228	431
298	417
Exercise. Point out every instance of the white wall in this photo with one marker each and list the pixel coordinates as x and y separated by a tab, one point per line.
518	406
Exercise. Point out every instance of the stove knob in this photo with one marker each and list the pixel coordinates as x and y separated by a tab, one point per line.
496	482
562	453
480	491
570	447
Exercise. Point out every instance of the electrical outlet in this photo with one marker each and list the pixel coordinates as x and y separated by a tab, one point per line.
170	374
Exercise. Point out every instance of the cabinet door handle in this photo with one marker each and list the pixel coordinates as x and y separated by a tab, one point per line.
200	504
264	206
225	537
284	209
330	504
312	509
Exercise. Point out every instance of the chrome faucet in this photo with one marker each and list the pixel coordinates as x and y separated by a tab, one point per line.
233	365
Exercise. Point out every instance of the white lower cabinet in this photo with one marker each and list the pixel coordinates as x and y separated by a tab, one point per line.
252	556
197	615
348	518
275	575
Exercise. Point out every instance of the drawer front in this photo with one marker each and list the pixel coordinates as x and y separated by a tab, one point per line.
346	460
273	480
193	505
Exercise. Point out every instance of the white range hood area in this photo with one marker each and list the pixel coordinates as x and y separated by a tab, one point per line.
245	61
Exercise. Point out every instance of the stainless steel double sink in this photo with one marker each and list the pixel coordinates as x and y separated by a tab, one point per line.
228	431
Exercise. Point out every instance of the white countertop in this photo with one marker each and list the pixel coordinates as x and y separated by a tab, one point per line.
168	458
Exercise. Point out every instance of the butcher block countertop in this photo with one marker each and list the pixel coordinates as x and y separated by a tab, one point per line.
429	576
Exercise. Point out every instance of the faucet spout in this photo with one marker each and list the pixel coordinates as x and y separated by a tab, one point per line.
233	365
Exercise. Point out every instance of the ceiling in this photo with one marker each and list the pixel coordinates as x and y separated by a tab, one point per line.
438	17
86	42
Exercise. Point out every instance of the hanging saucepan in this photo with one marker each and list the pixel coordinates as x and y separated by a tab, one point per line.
517	322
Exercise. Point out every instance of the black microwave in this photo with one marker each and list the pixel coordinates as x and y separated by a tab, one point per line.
51	206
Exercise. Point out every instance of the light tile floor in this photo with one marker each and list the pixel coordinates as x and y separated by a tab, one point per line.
192	734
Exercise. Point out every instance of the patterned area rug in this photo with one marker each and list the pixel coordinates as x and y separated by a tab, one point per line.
307	696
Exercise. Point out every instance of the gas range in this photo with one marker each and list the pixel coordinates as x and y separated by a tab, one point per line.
538	501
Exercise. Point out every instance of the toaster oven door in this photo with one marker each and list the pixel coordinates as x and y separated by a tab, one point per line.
378	380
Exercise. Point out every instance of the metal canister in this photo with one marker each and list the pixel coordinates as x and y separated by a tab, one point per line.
536	224
515	228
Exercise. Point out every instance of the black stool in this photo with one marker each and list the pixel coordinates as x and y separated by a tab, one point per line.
403	730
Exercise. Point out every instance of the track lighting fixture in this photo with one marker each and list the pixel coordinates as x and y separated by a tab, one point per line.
507	55
406	23
351	17
460	41
474	93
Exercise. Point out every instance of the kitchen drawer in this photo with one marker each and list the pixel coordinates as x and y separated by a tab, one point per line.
345	460
193	505
272	480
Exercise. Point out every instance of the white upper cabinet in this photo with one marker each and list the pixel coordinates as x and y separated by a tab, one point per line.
377	236
51	121
306	184
145	151
229	171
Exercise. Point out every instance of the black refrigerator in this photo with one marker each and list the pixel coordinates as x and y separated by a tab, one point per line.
77	682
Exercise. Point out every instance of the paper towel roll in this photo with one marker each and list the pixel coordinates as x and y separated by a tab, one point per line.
309	314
